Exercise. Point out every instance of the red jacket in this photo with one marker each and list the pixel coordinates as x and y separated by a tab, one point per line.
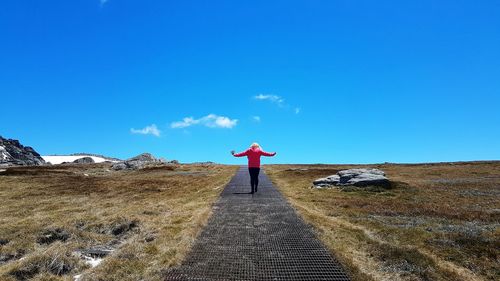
253	155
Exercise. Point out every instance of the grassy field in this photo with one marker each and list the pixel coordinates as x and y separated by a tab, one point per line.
437	222
52	217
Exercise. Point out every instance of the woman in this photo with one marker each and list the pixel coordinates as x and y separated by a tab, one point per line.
253	153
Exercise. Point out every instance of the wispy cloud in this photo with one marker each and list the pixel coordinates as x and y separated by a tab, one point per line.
186	122
272	98
256	118
210	121
278	100
103	2
148	130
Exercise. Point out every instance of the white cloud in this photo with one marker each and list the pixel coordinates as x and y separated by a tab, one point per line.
186	122
272	98
210	121
148	130
278	100
256	118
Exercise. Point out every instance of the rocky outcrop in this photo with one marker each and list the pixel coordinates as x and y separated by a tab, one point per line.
13	153
354	177
110	159
327	182
138	162
84	160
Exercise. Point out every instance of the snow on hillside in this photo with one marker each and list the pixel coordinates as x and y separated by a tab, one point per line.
4	155
58	159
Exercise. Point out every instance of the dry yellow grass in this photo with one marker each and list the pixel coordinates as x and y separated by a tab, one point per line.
438	222
150	217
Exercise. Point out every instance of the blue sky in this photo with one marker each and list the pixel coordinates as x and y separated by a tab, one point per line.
316	81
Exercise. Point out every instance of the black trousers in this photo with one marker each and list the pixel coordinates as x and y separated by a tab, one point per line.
254	178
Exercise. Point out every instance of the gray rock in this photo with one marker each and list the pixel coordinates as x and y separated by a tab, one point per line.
144	157
138	162
98	251
354	177
84	160
119	166
367	180
355	172
328	181
13	153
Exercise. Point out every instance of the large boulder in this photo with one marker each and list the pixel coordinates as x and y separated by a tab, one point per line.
363	177
355	177
138	162
13	153
84	160
328	181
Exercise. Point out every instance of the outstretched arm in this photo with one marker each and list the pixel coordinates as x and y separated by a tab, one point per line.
241	154
268	154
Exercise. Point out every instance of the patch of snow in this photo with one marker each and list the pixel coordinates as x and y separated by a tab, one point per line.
93	262
4	155
68	158
77	277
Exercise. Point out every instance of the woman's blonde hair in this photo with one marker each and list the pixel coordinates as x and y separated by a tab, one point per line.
255	145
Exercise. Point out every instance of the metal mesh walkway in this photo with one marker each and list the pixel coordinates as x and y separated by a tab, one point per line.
256	237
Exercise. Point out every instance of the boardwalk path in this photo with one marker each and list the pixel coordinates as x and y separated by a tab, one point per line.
256	237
